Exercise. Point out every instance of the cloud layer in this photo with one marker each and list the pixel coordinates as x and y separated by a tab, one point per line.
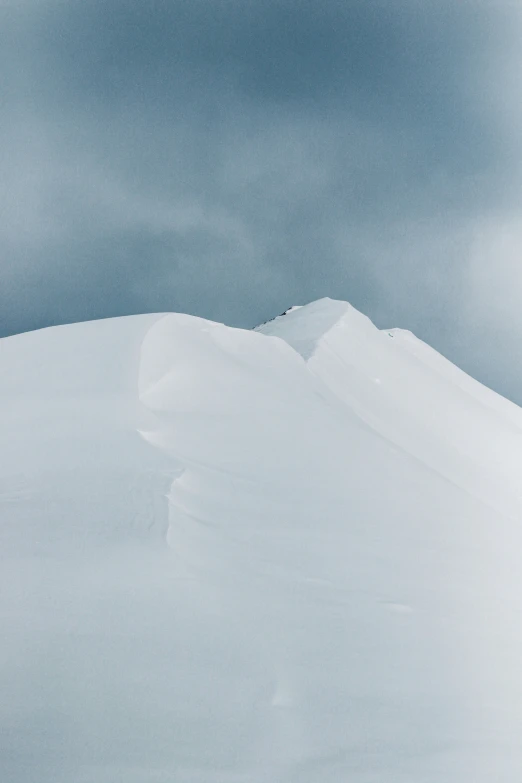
232	158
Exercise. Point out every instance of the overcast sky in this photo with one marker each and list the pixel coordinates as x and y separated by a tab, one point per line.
230	158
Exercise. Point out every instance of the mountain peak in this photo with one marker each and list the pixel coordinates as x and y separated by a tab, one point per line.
213	540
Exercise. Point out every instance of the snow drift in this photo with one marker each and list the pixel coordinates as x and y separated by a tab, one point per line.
281	555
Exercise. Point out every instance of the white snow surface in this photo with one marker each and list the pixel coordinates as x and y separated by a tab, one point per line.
287	555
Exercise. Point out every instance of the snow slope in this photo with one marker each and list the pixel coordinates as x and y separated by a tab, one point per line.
285	555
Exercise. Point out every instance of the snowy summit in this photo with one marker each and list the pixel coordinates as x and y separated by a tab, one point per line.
286	555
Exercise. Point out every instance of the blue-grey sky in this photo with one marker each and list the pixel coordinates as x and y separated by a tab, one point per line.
230	158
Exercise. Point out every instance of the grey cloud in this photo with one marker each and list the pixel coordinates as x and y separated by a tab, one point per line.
228	159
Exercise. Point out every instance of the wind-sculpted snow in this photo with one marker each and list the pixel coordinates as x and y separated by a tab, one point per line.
414	397
287	555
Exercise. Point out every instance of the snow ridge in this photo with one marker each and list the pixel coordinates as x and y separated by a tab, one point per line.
277	555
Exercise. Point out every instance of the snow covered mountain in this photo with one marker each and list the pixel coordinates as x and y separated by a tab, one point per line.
287	555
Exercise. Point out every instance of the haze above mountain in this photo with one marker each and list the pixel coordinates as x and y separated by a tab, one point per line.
286	555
